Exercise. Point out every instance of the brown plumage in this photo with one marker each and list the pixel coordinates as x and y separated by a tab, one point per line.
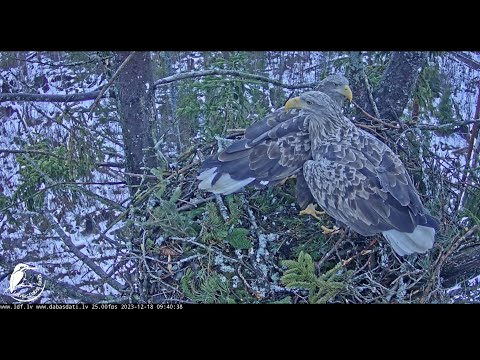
360	181
272	149
353	176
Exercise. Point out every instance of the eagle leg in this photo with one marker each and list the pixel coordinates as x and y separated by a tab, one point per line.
310	210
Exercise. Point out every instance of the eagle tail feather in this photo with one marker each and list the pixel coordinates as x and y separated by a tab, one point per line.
419	241
211	180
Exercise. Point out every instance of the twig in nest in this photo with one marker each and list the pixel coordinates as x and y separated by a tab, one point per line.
222	208
252	219
319	264
181	171
250	289
208	248
193	204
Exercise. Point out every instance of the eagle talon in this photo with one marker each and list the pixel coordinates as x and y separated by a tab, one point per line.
327	231
310	210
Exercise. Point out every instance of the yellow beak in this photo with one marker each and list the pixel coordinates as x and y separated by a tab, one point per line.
292	103
347	92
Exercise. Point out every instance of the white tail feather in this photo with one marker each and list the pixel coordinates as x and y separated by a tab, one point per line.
419	241
224	185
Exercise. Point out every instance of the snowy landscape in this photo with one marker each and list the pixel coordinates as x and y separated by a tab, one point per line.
100	153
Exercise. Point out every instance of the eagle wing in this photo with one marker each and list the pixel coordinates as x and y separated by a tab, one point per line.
271	150
363	184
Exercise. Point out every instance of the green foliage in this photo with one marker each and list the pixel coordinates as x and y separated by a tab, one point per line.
238	238
5	202
445	110
306	231
216	230
58	164
165	216
265	201
234	209
470	208
313	244
301	274
285	300
221	102
205	288
428	88
274	198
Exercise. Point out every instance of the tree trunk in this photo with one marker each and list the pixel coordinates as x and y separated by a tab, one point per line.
137	114
461	266
398	83
396	86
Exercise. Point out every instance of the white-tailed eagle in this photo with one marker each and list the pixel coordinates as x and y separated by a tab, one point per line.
353	176
272	149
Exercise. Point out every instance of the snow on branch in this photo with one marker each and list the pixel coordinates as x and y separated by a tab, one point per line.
196	74
49	97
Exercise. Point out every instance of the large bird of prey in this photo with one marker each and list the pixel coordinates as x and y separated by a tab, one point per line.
272	150
353	176
360	181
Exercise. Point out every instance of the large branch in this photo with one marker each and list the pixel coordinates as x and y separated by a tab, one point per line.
196	74
49	97
166	80
464	58
84	258
114	77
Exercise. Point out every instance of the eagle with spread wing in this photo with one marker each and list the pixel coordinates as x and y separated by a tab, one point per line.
353	176
272	150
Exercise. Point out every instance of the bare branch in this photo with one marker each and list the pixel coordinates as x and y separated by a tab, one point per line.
369	91
196	74
208	248
114	77
194	204
396	126
222	208
111	164
74	292
86	260
46	153
36	152
473	64
49	97
447	126
96	95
